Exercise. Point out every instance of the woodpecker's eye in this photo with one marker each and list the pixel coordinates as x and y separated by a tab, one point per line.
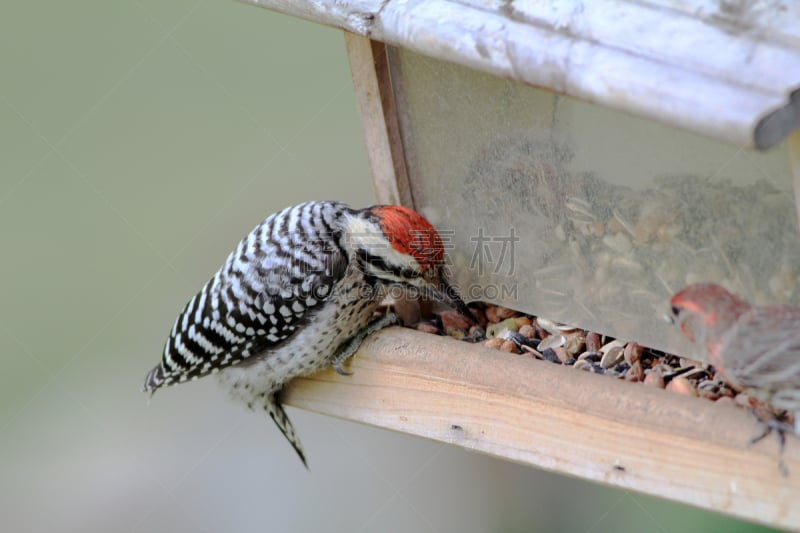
675	311
410	274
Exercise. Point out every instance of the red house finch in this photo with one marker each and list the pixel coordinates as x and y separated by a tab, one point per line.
755	349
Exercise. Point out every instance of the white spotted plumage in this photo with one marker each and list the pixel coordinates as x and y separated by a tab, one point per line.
296	295
255	280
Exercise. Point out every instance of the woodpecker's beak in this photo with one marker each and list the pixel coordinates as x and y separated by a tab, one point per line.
447	294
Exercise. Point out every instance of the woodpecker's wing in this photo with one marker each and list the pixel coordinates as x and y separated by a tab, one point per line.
269	286
763	350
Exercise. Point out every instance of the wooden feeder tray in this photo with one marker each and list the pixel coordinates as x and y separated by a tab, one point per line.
536	413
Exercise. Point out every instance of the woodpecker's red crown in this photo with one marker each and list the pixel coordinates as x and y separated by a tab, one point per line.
409	233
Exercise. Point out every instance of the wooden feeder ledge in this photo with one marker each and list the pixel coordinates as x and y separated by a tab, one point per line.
564	420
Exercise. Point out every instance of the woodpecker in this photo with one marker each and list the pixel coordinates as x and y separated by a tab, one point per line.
299	293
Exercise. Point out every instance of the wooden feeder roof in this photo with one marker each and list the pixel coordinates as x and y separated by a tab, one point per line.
729	69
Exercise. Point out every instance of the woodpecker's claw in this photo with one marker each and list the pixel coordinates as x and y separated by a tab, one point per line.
341	371
349	347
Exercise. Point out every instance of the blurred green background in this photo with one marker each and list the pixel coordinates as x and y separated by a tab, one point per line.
140	141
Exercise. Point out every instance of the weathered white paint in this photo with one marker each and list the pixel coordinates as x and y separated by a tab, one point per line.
725	68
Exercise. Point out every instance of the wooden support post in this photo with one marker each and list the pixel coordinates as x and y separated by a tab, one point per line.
793	144
375	99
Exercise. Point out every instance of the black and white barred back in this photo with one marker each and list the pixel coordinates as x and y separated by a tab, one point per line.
271	284
299	294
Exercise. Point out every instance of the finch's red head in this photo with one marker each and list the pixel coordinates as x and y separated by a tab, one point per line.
409	233
704	311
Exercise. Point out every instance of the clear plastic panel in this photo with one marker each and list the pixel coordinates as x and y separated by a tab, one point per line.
586	215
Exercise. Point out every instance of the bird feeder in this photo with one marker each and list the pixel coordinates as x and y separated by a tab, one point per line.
582	161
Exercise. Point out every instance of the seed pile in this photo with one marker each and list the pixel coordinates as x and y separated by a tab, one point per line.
668	231
519	333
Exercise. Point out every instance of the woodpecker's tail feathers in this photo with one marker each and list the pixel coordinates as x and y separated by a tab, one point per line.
154	379
281	419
